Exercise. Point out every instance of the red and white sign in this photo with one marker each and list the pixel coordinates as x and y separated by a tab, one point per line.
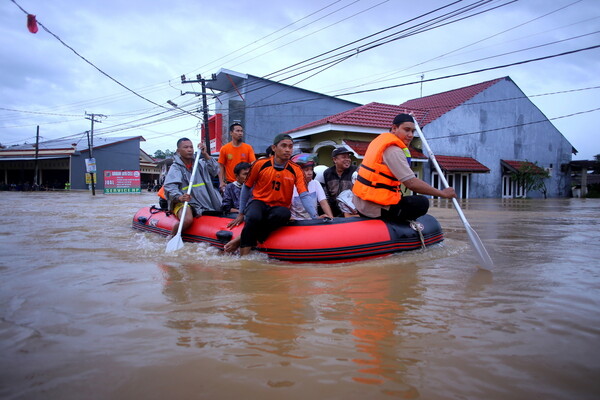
122	181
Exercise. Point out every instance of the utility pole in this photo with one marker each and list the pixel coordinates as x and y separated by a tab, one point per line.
202	82
90	136
36	170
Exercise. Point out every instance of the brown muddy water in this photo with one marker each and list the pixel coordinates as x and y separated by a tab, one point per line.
91	309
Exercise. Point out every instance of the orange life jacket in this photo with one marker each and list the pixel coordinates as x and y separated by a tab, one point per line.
161	193
375	181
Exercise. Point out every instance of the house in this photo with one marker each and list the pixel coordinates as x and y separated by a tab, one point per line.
63	161
354	129
585	182
264	107
479	134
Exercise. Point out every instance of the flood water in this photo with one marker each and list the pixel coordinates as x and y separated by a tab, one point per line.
91	309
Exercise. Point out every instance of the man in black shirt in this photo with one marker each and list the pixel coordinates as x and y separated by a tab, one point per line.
338	177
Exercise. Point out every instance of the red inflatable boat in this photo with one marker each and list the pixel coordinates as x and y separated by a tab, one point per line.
340	240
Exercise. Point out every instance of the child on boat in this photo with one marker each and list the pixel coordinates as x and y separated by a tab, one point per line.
231	194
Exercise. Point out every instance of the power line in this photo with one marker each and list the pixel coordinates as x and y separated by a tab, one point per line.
281	29
413	30
471	72
484	58
89	62
516	125
496	34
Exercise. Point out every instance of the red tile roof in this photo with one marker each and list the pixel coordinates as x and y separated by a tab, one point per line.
461	164
380	115
372	115
516	165
436	105
360	148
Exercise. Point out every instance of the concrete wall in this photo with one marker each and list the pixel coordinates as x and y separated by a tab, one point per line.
540	143
123	155
270	108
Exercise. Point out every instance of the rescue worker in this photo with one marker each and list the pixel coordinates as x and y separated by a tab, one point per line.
203	196
385	167
271	183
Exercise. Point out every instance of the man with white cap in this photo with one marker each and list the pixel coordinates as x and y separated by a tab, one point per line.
338	177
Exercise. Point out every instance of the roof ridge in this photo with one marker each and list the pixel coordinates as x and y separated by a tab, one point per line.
438	104
491	81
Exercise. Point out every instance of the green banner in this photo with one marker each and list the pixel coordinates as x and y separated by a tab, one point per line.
122	190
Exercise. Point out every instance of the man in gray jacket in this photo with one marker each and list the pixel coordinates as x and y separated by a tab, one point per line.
203	195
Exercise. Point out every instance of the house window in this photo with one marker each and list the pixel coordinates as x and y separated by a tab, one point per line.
459	182
512	190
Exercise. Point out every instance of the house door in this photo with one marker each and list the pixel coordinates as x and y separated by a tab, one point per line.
507	186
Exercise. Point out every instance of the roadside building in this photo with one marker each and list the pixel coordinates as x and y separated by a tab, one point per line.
61	163
264	107
479	133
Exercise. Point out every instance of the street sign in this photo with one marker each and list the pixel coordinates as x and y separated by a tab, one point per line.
90	165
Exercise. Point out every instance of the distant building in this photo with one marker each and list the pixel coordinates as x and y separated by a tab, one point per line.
265	107
479	134
63	161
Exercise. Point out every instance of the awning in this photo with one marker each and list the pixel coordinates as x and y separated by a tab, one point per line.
360	149
514	166
461	164
27	158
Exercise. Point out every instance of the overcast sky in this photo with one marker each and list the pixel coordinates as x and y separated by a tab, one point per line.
147	45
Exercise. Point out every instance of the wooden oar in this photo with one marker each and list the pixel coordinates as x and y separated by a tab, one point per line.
176	242
484	257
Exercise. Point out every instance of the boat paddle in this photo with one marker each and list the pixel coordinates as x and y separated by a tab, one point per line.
484	257
176	242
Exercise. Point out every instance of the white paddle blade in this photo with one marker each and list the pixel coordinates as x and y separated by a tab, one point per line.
174	244
484	257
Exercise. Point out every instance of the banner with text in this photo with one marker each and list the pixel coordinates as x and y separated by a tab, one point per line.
122	181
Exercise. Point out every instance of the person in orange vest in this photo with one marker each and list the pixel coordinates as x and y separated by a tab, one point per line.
162	201
385	167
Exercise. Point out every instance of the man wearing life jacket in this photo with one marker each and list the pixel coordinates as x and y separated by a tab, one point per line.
203	196
385	167
162	198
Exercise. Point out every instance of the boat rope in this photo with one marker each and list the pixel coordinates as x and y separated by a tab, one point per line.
417	226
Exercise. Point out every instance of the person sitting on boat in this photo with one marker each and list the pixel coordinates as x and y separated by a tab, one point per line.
271	182
338	177
385	167
203	195
315	190
231	194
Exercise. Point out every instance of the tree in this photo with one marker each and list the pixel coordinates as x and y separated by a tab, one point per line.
530	176
163	154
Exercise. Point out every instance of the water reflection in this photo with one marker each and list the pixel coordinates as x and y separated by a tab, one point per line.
90	308
277	315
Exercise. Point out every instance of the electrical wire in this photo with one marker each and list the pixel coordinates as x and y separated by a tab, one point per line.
89	62
454	135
